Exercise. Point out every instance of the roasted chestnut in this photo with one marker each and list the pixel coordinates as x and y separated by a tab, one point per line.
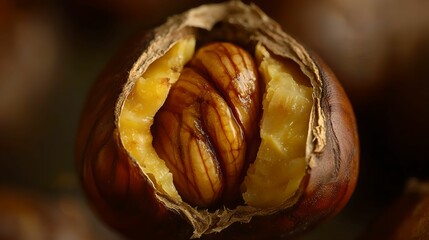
217	124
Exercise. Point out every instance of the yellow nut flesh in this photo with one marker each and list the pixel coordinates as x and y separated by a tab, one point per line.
140	107
201	178
280	163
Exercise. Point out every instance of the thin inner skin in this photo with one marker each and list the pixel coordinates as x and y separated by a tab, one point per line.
207	122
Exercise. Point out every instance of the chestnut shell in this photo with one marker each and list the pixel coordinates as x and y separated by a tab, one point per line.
125	199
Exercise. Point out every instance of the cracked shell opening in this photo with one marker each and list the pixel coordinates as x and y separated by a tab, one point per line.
270	178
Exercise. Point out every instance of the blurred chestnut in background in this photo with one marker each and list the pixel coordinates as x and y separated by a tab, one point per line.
28	215
407	218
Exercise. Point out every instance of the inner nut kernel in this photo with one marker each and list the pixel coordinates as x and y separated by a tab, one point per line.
207	122
209	132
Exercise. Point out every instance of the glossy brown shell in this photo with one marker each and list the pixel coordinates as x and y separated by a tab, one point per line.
121	194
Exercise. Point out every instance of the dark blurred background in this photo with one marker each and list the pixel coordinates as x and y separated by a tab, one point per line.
52	51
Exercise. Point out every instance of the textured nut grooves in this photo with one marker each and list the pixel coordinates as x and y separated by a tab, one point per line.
203	129
234	74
